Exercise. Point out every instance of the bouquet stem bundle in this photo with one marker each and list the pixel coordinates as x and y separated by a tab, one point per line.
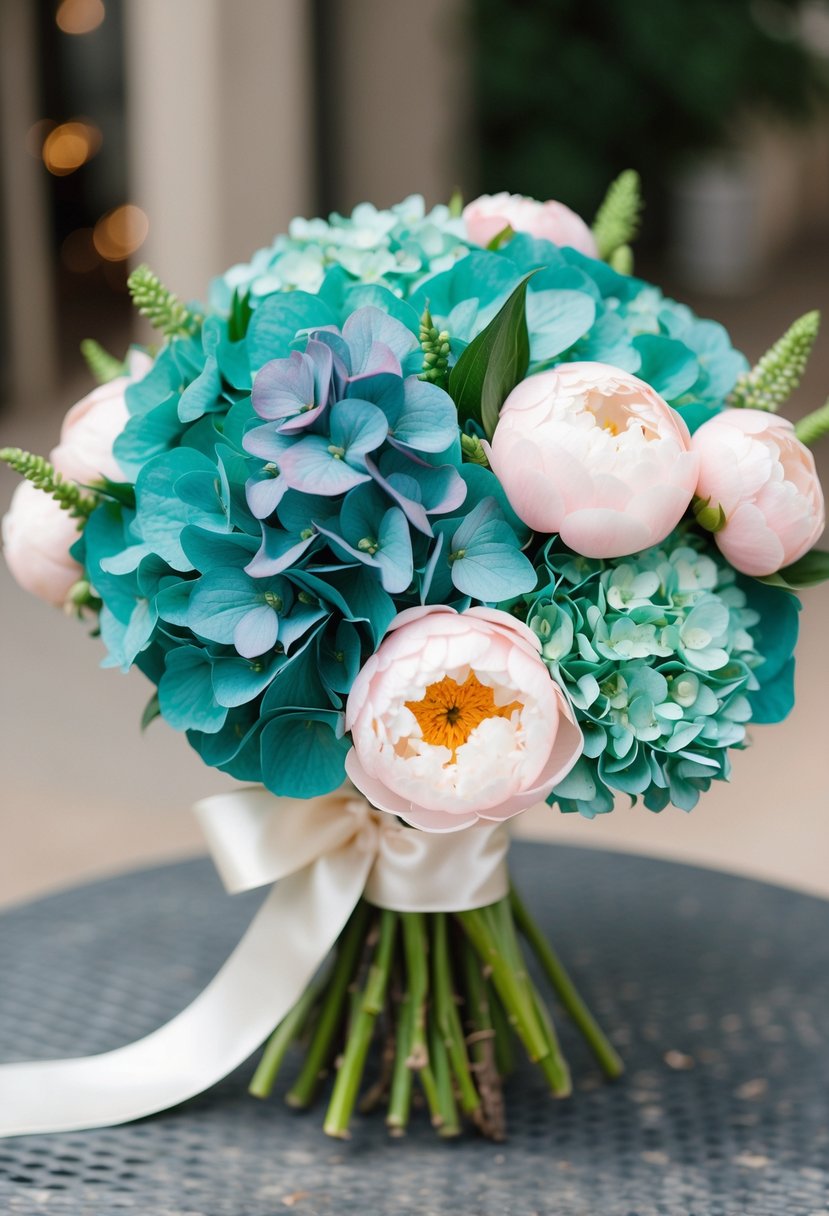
448	994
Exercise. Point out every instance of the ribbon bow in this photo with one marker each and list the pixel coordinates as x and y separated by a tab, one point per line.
322	854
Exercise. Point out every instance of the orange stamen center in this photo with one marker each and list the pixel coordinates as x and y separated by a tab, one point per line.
449	712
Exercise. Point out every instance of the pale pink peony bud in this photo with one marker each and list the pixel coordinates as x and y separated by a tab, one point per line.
92	425
37	536
490	214
595	454
753	466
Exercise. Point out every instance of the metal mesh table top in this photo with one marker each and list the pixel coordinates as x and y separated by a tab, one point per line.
716	990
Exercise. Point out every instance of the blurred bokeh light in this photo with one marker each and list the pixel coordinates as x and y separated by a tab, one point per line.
69	146
79	16
120	232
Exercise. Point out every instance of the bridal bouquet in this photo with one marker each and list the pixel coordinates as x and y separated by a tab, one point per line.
424	519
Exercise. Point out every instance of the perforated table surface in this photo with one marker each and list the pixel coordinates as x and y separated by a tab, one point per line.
716	990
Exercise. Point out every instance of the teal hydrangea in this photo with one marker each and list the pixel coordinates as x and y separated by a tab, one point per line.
661	656
396	248
267	543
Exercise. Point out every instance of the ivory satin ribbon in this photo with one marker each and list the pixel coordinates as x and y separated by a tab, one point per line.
322	854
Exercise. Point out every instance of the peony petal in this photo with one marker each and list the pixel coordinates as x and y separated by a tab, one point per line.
598	532
749	543
381	797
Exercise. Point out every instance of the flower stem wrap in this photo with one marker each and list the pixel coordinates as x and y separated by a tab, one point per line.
323	854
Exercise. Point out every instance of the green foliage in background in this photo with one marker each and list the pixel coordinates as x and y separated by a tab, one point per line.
569	93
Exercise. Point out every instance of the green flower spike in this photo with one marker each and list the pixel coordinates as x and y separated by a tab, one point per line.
45	477
617	220
621	260
814	426
774	378
162	308
435	344
473	450
101	363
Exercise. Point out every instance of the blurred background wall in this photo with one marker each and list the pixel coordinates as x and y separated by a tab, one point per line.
186	134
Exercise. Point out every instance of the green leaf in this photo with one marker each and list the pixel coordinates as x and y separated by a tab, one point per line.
240	315
807	571
122	492
814	426
501	238
152	710
101	363
493	363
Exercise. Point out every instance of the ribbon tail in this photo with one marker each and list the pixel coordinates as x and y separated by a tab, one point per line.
284	945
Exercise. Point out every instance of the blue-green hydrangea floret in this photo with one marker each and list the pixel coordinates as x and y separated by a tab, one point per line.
658	654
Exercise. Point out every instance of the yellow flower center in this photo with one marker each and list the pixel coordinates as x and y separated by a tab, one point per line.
449	712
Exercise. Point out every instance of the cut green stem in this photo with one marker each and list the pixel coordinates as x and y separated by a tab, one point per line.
350	1074
400	1094
321	1046
416	946
288	1029
504	1033
608	1058
480	925
555	1066
447	1122
482	1044
447	1017
550	1060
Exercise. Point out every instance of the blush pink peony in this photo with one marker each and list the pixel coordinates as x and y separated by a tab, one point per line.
37	535
753	466
595	454
490	214
455	718
92	425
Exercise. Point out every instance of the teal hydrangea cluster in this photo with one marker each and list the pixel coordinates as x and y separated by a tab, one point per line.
295	487
293	481
395	248
666	656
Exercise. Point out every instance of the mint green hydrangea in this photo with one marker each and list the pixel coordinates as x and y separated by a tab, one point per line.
658	653
395	248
